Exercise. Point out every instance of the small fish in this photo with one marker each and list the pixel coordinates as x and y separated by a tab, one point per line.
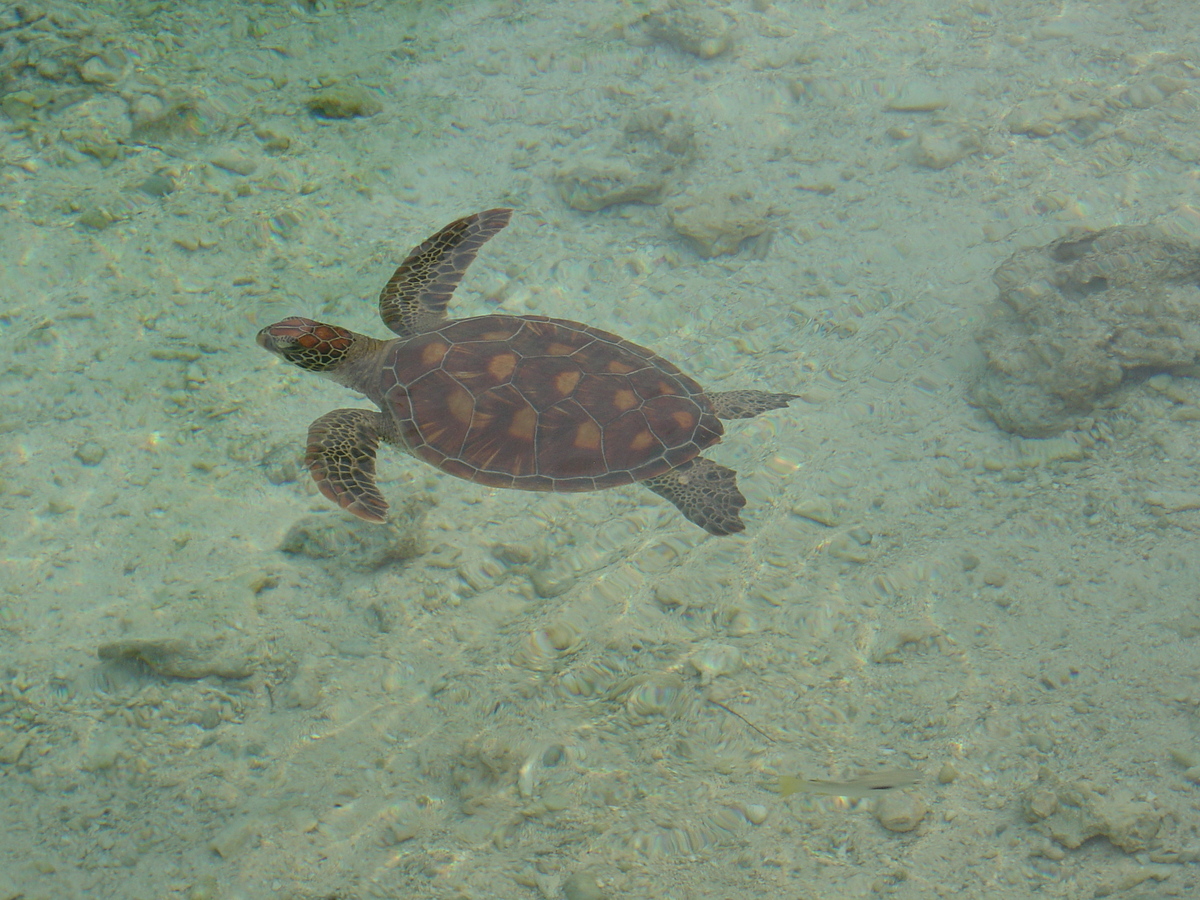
864	786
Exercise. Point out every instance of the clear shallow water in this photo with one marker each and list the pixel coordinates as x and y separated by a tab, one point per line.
581	695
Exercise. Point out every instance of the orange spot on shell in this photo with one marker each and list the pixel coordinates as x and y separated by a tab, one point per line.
619	368
433	354
501	365
641	440
587	436
524	423
625	399
564	382
461	405
495	336
684	419
554	348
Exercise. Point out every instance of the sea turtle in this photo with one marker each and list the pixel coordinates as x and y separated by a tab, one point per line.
510	401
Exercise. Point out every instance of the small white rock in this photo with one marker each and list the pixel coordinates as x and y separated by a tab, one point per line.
756	813
715	660
900	811
232	159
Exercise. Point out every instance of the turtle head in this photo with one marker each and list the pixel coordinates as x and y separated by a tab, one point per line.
310	345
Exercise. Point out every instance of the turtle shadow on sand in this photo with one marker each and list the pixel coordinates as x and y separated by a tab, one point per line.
525	402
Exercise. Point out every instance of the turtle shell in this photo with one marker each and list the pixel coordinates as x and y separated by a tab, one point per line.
542	404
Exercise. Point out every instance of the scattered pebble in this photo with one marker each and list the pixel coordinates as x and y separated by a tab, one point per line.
13	749
235	160
351	542
1185	756
147	109
595	183
303	691
698	28
1054	113
90	453
233	837
755	813
900	811
818	509
715	660
846	548
718	221
156	185
282	464
1072	813
542	647
345	101
1173	501
918	97
861	536
940	148
9	889
583	885
97	217
187	658
98	70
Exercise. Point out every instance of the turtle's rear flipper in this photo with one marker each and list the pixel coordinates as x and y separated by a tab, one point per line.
745	404
706	493
341	458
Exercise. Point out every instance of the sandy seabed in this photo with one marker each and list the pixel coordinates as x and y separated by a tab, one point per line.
583	696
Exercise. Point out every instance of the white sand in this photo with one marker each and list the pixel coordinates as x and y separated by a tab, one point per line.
982	607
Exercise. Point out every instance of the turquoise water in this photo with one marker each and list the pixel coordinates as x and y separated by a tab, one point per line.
217	685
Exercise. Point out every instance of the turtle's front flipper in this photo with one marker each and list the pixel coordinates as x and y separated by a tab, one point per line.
341	457
706	493
746	404
415	297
